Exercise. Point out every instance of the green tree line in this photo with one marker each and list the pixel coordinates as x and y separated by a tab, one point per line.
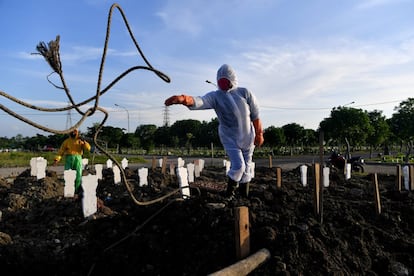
345	126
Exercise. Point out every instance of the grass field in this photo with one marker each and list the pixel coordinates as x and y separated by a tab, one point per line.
22	159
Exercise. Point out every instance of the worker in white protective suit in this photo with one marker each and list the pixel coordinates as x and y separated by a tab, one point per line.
240	128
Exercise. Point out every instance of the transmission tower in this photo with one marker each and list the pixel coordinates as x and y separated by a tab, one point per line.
69	118
166	116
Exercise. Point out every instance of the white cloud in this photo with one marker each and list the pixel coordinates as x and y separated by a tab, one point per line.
367	4
183	20
314	70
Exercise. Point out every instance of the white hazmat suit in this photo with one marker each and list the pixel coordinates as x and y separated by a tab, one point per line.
239	124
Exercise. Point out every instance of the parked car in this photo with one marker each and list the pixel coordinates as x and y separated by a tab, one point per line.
48	148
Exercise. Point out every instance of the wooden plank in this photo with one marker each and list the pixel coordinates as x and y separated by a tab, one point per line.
242	232
245	266
270	161
411	177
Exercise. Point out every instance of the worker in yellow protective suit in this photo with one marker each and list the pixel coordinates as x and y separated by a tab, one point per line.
72	148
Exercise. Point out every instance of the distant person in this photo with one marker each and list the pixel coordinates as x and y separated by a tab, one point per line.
240	127
72	148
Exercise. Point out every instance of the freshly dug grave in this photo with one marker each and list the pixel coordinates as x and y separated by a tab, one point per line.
43	233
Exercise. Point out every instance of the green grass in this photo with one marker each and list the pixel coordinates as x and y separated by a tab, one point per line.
22	159
15	159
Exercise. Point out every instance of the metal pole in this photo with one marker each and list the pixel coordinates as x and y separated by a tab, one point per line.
348	104
126	112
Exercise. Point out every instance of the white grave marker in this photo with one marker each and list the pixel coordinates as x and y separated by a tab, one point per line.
41	164
33	167
252	169
182	175
69	176
85	162
406	175
303	175
325	172
180	162
197	169
202	163
172	169
108	163
89	200
117	175
143	176
190	169
227	165
124	163
348	171
38	167
98	170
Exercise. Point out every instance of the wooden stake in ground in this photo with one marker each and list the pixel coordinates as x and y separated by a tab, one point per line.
242	232
317	184
398	179
411	177
154	163
376	193
164	165
278	177
270	161
321	150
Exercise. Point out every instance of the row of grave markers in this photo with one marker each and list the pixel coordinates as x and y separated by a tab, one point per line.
89	184
193	170
185	175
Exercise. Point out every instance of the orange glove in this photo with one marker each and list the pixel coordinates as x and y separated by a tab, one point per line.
258	139
180	99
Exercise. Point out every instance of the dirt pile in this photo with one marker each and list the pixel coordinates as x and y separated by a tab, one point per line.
41	232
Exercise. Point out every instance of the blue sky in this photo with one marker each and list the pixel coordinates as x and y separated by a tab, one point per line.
300	58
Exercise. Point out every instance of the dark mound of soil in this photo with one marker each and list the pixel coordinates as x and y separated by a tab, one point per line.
44	233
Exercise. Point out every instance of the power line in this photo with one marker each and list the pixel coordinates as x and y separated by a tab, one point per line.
324	108
262	106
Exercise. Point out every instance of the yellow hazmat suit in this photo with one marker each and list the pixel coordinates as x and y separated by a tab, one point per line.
72	148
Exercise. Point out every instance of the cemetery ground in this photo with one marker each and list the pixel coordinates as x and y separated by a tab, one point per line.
44	233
